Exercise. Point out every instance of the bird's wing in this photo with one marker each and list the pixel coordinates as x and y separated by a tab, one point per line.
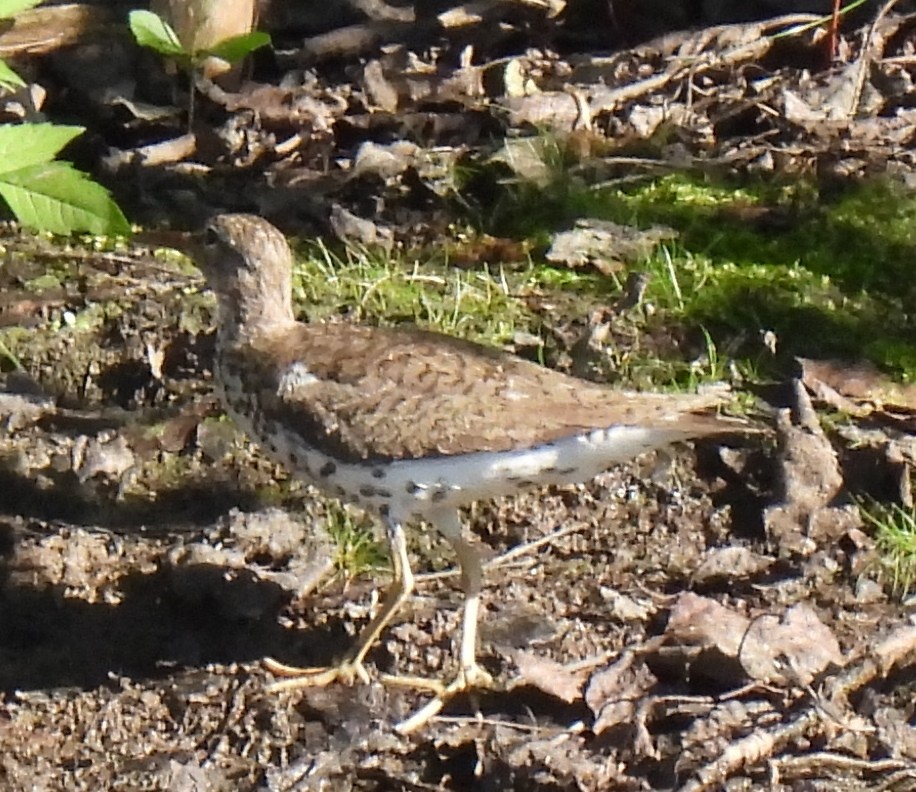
374	393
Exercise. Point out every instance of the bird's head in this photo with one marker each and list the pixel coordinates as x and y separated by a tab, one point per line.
248	264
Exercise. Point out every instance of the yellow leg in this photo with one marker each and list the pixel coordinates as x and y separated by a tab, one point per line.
470	674
471	582
351	667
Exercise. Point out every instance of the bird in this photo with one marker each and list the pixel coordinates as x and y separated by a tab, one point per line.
411	425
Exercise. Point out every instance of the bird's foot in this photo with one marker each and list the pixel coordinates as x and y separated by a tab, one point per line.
471	677
348	671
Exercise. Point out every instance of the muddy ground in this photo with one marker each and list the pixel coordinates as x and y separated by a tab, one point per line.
712	620
687	620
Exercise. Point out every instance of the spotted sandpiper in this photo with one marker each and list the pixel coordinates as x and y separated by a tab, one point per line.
410	425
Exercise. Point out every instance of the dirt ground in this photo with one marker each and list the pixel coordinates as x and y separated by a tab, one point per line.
712	620
669	625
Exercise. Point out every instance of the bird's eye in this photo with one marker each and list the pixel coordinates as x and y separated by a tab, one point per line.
210	236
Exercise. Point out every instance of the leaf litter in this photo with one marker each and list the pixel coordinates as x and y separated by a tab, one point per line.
704	626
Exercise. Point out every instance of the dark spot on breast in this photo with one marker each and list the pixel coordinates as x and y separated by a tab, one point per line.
341	493
367	491
383	510
294	458
523	483
439	495
327	469
383	493
378	473
567	471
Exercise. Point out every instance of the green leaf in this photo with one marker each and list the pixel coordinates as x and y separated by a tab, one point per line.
154	32
10	7
9	80
24	145
237	47
55	197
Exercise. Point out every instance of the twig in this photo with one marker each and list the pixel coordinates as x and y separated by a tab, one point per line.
508	557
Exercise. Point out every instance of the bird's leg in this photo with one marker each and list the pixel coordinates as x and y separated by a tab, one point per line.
449	524
351	666
470	674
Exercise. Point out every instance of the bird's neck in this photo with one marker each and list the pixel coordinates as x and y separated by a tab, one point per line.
244	321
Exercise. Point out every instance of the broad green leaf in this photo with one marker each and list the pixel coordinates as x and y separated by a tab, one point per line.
237	47
9	80
154	32
56	197
10	7
24	145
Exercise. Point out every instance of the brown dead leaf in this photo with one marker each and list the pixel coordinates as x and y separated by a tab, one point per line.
18	410
109	456
897	649
555	109
837	382
811	475
806	515
26	311
348	227
178	432
42	30
730	563
614	693
701	621
549	676
384	161
895	733
486	249
379	89
789	650
605	245
276	105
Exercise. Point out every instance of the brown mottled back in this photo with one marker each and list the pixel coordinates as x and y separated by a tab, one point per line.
380	393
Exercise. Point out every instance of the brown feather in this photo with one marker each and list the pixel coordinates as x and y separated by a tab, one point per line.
382	393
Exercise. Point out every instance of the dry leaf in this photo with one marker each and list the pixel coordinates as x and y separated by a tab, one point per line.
549	676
